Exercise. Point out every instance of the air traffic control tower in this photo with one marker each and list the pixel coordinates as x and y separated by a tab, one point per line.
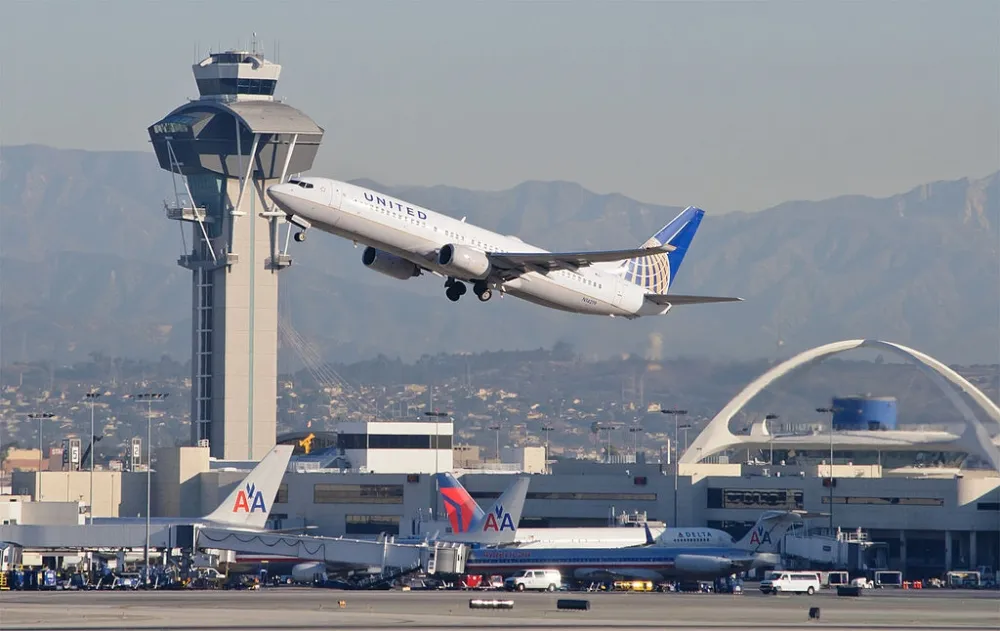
224	149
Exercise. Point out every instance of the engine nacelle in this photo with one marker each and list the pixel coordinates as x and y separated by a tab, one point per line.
702	565
309	572
464	262
389	264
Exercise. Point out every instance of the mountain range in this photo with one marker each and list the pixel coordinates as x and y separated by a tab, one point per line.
89	264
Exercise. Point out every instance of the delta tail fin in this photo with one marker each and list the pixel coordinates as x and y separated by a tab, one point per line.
471	524
249	504
768	531
656	273
461	509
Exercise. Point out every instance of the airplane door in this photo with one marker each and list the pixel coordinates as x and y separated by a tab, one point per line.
336	195
619	292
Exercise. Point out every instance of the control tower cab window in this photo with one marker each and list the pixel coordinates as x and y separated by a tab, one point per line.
237	86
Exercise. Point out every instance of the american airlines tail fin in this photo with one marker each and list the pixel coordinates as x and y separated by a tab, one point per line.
497	526
461	509
656	273
249	505
768	531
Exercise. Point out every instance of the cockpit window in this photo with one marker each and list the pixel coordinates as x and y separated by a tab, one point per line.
300	183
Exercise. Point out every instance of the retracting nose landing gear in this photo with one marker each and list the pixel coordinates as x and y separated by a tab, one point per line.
300	223
482	290
454	289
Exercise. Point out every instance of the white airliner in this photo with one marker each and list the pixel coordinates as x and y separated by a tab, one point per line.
463	512
405	240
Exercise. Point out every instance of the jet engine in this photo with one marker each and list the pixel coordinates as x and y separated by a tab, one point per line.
464	262
702	565
389	264
310	572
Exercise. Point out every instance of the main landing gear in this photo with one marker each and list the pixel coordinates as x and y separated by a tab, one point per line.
455	289
482	290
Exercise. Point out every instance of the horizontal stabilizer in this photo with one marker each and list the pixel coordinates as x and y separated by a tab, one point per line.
677	299
571	260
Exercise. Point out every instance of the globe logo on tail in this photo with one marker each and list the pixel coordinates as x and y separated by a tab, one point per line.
249	500
652	273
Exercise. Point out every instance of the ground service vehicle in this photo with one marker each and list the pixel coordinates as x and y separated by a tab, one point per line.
548	580
791	582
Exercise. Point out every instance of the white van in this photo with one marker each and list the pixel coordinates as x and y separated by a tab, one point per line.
791	582
547	580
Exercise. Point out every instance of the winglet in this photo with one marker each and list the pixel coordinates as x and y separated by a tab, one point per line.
249	504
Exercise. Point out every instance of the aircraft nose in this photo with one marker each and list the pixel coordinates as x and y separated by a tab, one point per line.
282	194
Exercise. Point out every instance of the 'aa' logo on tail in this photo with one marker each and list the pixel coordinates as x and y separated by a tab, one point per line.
498	520
760	536
249	500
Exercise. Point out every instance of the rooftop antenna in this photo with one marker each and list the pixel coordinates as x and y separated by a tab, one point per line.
253	43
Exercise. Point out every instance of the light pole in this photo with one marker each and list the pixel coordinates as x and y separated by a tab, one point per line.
437	451
547	429
149	397
496	428
831	411
635	441
40	416
91	399
770	436
675	412
437	438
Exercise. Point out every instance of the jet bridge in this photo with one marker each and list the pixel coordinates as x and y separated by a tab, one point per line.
332	550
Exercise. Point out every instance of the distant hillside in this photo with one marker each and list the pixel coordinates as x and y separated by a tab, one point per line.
921	268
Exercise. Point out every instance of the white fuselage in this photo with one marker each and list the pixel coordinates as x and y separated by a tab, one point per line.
618	537
601	537
417	234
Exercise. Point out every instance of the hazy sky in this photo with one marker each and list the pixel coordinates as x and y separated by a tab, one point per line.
728	105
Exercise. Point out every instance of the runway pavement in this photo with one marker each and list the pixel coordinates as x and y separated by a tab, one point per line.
304	609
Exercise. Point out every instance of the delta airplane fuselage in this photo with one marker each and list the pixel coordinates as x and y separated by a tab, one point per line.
403	240
648	563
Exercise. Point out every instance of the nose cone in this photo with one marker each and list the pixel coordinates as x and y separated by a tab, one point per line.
282	194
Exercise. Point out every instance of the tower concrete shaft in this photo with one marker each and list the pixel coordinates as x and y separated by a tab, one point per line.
224	149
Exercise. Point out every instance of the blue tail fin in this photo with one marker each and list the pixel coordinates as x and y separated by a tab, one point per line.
656	273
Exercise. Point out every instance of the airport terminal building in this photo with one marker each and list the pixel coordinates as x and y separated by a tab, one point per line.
918	494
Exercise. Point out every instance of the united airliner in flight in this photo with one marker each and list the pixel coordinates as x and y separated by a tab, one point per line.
404	241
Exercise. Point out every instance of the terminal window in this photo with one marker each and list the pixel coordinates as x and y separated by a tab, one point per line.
598	497
371	524
779	499
357	493
282	496
887	501
392	441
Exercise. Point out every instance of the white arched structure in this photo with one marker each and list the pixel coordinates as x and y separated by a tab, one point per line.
975	439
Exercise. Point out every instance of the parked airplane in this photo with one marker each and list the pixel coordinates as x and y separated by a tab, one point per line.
405	240
756	549
460	508
494	528
246	508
